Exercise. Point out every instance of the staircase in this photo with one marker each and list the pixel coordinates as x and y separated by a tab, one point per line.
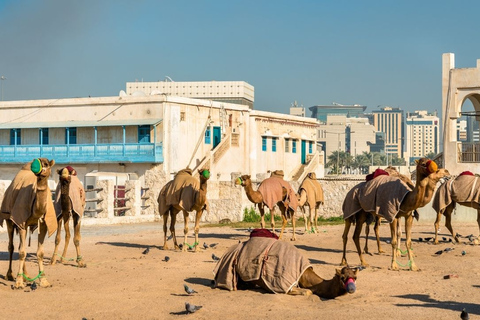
306	168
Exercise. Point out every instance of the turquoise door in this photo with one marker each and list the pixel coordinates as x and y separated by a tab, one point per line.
217	136
304	151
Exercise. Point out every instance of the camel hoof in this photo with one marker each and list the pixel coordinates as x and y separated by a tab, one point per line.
19	284
293	239
53	262
165	247
44	283
343	263
394	267
81	264
381	251
9	277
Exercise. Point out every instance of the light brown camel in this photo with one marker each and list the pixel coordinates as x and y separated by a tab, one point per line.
235	269
273	191
391	198
310	194
184	193
463	190
27	203
69	203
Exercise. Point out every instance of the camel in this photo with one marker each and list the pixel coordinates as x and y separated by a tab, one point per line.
310	193
463	190
297	277
69	203
27	203
272	191
390	198
184	193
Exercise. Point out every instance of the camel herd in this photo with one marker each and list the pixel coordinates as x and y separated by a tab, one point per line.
385	194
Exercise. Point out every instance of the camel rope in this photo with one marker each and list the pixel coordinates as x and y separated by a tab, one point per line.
191	246
41	273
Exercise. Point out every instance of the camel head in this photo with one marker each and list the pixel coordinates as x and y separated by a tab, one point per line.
346	278
243	180
42	167
426	167
204	174
65	175
312	176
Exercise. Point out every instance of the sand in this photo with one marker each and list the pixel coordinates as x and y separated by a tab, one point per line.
122	283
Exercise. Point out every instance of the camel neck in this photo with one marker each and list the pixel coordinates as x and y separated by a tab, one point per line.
328	289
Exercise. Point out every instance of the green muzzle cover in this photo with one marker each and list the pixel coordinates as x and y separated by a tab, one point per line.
36	166
206	174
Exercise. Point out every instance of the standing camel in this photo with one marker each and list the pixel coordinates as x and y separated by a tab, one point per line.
184	193
390	198
463	190
28	203
310	193
257	262
69	203
273	191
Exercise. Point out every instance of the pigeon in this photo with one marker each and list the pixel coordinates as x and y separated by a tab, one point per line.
464	315
167	258
428	239
420	239
214	257
180	246
170	237
146	251
191	308
213	245
250	229
448	249
33	286
188	289
205	245
439	252
464	252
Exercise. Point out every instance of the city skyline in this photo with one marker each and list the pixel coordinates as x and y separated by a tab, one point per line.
371	53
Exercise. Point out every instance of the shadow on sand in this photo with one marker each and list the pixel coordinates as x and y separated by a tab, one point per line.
426	302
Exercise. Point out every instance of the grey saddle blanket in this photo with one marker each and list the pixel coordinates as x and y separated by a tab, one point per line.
463	188
382	195
279	264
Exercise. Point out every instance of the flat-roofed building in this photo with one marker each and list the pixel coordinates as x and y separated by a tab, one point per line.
423	135
321	112
390	121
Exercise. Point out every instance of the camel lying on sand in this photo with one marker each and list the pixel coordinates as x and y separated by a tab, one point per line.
273	191
463	190
282	269
310	194
69	203
27	203
391	198
184	193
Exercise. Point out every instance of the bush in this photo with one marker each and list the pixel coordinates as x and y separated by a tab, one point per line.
250	215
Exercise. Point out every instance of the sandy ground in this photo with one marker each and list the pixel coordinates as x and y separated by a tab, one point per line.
122	283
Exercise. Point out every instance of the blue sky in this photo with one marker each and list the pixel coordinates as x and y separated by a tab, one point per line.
315	52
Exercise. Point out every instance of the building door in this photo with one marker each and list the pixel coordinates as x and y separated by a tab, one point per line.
217	136
304	151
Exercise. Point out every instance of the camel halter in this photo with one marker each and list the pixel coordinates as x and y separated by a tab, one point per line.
36	166
431	166
240	180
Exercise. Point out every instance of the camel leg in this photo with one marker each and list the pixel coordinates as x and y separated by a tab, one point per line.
261	208
437	226
300	292
292	216
10	230
367	232
312	215
448	221
185	230
348	223
173	221
76	240
22	254
376	228
356	237
42	232
399	237
304	212
408	236
272	220
198	216
57	242
393	235
165	221
66	222
478	221
316	218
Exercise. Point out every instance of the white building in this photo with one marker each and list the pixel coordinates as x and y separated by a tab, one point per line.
423	136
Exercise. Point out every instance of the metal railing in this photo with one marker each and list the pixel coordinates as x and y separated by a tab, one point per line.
468	152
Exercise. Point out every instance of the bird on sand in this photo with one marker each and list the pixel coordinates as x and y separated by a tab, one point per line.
33	286
167	258
191	308
188	289
464	315
205	245
214	257
146	251
213	245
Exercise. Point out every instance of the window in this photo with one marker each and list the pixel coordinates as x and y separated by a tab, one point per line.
287	145
310	147
71	136
43	136
15	137
274	144
182	116
294	146
264	143
208	136
144	134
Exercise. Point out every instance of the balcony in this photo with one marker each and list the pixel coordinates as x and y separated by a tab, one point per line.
468	152
85	153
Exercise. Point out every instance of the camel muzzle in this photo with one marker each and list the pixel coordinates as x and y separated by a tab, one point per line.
350	285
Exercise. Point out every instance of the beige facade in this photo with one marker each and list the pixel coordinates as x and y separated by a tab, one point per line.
422	135
390	121
458	85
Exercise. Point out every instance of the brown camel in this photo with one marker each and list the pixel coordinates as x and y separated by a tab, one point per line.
184	193
463	190
69	203
273	191
27	203
310	193
390	198
235	269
